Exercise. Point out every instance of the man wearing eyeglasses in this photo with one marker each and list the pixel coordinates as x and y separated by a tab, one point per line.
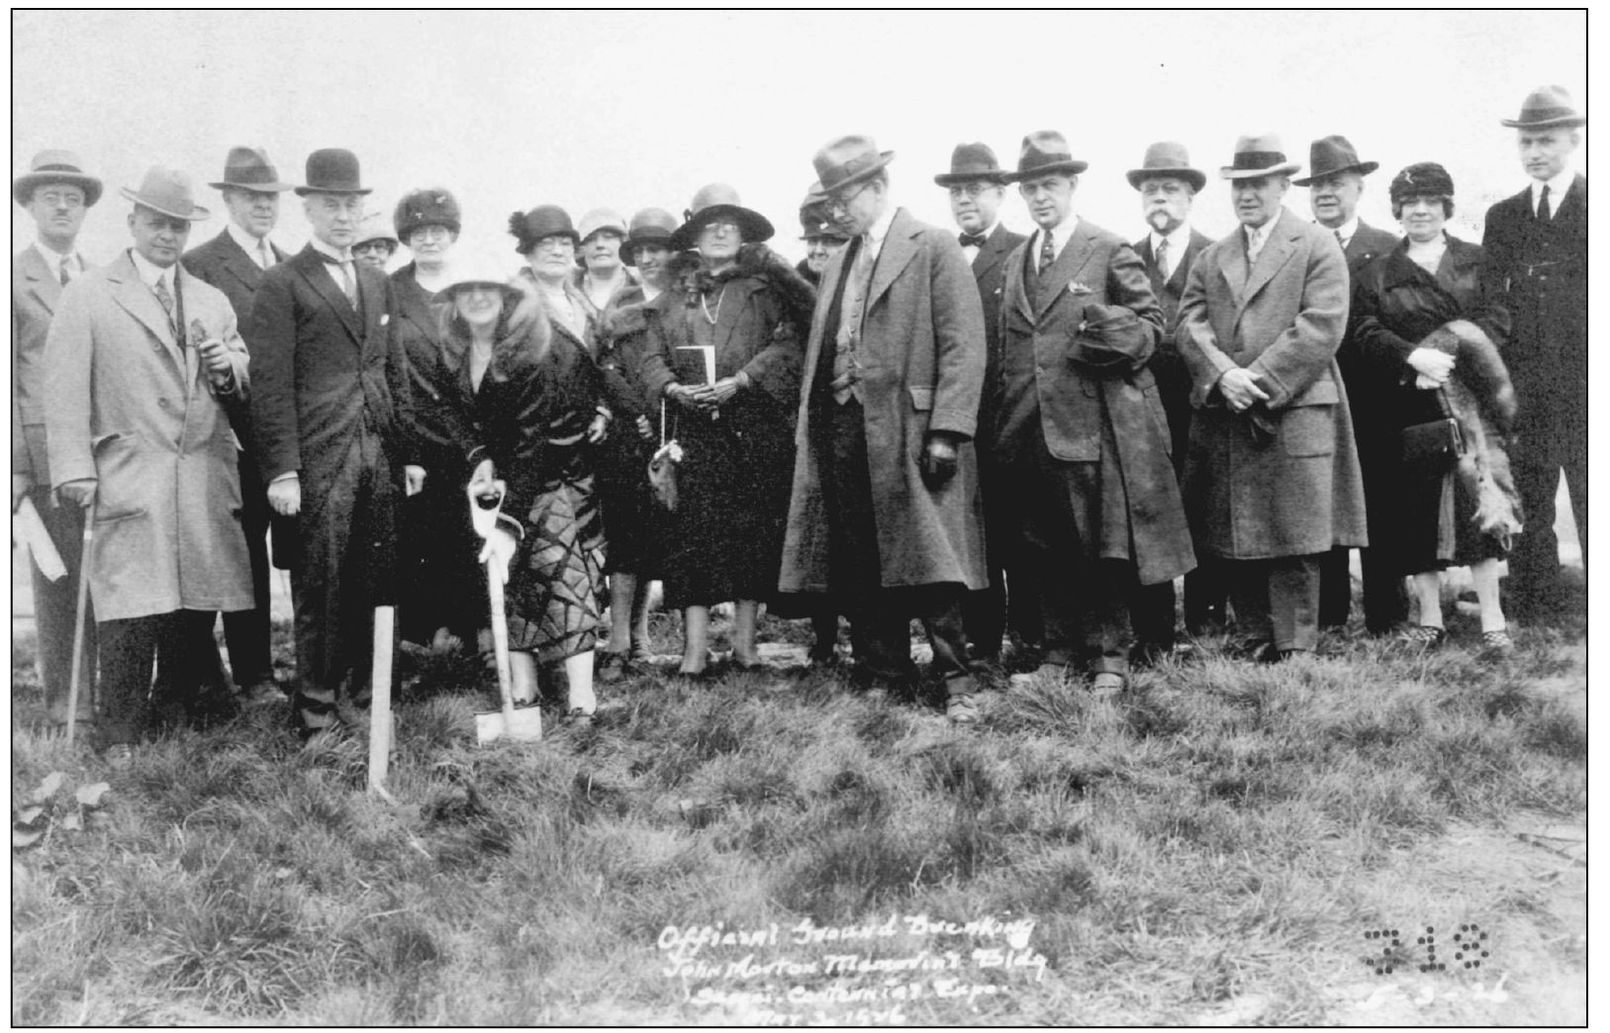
885	516
328	379
235	262
976	184
56	194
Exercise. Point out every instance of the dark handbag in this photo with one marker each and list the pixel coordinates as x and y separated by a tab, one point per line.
662	468
1435	441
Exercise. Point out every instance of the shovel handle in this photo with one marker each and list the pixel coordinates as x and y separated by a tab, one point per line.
500	639
78	622
380	697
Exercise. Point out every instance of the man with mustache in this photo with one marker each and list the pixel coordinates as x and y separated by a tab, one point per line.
1271	478
141	362
977	186
1537	262
1081	440
330	378
57	194
1168	186
235	262
1336	182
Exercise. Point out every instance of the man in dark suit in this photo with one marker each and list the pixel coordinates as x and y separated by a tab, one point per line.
235	262
1335	183
1168	187
57	194
328	379
977	187
1537	262
1081	439
885	514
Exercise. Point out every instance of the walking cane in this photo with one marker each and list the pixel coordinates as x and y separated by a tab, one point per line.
78	618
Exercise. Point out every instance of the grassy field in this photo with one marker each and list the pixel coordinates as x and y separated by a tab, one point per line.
1216	847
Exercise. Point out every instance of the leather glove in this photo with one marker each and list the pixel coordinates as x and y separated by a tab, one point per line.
938	462
693	399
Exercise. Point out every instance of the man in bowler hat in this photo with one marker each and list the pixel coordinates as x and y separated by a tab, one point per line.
1168	186
1271	478
235	262
142	364
1537	264
1335	182
329	380
56	193
977	186
885	514
1081	439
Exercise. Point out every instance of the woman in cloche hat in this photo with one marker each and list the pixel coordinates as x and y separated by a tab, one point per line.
722	355
528	402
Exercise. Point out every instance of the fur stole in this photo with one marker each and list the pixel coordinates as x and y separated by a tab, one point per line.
1482	399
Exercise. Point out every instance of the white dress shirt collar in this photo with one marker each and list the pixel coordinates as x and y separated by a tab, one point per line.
1259	236
1345	231
971	250
340	255
1061	233
54	260
149	274
247	242
879	230
1557	188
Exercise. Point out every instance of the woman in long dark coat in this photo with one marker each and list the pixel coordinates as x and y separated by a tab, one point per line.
529	402
1429	336
750	312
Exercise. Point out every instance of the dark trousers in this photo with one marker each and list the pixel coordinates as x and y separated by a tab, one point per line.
55	603
985	611
246	632
1277	600
187	680
346	534
1550	442
880	618
1335	587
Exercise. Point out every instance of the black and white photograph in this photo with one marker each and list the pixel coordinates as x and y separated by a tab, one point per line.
850	517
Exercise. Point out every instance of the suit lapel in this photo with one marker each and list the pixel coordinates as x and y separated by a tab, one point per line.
139	301
1018	278
240	264
1233	264
1065	269
372	296
898	250
46	288
992	254
1276	250
310	266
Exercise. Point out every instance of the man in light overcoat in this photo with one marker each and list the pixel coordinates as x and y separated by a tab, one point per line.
1272	479
885	513
141	364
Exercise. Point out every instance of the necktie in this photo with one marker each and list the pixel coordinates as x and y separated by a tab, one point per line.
849	333
349	285
971	239
1339	241
1160	256
66	270
265	258
1543	212
1048	252
166	297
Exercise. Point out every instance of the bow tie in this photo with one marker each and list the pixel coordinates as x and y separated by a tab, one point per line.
972	239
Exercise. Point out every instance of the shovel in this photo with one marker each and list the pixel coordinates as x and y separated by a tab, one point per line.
486	502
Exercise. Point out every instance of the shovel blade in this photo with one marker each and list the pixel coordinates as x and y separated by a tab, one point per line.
524	725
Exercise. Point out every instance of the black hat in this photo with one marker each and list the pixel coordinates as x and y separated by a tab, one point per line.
969	162
711	202
427	206
816	221
1422	179
332	170
1330	155
1044	152
248	168
649	226
545	220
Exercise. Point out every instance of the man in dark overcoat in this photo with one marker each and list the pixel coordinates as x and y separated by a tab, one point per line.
977	186
1168	186
1081	439
1271	478
235	262
1335	183
329	380
885	511
56	193
1537	263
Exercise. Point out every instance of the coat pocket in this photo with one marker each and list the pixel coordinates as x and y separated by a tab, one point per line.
1308	431
922	398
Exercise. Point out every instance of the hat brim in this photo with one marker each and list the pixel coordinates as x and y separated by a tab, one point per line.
445	295
828	234
303	191
1572	121
948	179
1283	169
1363	168
859	176
197	213
1072	168
629	245
1196	177
261	188
751	224
22	188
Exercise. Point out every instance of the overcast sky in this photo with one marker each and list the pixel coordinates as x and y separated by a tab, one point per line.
627	110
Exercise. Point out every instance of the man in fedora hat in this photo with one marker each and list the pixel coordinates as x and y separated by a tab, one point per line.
329	378
235	262
142	353
1081	439
1537	263
1335	183
1168	186
1271	479
56	193
885	514
977	186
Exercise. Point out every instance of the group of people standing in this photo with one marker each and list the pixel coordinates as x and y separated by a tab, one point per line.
1021	441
